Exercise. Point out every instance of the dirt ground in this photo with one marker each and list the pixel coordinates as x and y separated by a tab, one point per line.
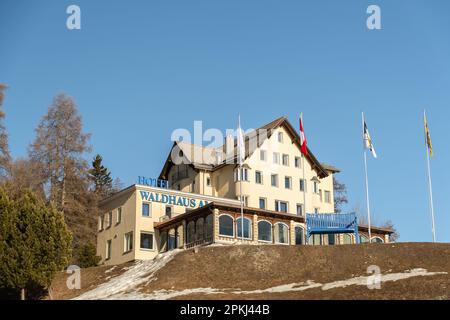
90	278
235	268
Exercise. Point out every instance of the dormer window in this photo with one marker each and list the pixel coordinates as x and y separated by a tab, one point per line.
241	174
280	137
316	182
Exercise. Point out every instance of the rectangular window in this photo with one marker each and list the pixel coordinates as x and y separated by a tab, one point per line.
169	211
276	158
302	185
208	181
274	180
128	242
108	219
331	239
281	206
238	174
146	210
285	160
316	187
258	177
299	209
147	240
100	223
108	250
297	162
244	199
287	182
327	196
262	203
119	215
280	137
262	155
316	239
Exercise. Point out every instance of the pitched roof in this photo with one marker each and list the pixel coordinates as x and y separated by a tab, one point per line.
217	160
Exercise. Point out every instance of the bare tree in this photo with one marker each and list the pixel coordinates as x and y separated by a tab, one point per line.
59	146
395	235
340	195
5	157
25	174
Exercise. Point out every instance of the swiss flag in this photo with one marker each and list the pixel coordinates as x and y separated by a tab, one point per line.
303	147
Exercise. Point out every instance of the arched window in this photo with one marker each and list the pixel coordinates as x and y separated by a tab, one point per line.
347	239
209	226
199	229
377	240
226	226
171	239
180	237
163	241
247	228
363	239
190	232
264	231
299	235
281	233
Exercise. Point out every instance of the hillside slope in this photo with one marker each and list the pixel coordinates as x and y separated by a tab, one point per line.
408	271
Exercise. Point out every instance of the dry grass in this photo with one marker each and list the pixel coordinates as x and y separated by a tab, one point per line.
260	267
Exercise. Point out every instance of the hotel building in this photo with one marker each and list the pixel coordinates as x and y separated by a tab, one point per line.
196	200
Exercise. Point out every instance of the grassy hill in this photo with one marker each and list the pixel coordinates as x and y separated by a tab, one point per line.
408	271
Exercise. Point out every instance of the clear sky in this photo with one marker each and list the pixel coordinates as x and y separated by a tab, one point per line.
140	69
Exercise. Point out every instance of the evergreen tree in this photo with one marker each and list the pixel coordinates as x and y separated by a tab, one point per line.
101	177
87	256
5	156
35	242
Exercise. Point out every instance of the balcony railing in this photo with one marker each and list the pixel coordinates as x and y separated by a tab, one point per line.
199	242
331	223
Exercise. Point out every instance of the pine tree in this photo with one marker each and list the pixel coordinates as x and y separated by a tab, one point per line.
35	242
87	256
101	177
5	156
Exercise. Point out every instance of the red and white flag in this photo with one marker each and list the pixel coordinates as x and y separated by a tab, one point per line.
303	146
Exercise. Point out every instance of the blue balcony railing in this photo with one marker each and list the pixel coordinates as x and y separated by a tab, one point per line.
324	223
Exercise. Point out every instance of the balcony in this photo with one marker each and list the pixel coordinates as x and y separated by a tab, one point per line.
322	223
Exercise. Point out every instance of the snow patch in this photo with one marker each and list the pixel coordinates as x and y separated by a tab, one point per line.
111	269
141	272
124	286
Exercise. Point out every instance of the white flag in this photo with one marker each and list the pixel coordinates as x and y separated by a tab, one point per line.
368	140
240	142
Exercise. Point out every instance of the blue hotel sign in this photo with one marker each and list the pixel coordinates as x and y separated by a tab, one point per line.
172	199
152	182
165	198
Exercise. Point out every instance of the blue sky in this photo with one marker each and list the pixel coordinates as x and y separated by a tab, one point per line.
140	69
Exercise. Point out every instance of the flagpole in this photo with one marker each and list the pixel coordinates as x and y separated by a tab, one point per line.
304	180
367	181
241	177
430	189
242	204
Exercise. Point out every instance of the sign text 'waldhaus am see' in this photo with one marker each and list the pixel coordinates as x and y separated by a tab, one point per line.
172	199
